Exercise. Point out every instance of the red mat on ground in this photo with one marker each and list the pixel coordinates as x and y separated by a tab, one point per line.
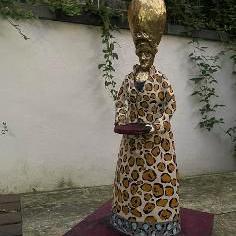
193	223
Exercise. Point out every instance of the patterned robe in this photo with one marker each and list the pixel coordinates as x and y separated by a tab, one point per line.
145	196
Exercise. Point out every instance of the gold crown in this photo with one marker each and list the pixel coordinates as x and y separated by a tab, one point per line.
147	22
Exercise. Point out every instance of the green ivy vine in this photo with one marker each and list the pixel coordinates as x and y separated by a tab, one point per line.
109	43
205	85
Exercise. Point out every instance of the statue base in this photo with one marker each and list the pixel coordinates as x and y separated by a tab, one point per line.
193	223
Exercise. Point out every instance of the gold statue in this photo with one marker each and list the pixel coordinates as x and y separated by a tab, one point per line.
145	196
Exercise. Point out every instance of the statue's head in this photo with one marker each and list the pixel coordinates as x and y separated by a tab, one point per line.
146	58
147	23
146	50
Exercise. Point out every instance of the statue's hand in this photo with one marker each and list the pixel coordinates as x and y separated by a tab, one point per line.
152	129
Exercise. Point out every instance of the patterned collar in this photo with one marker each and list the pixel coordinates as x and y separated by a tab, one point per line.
152	72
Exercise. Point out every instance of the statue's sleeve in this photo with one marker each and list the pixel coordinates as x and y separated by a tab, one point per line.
121	105
162	123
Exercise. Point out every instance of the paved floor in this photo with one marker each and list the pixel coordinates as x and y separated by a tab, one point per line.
53	213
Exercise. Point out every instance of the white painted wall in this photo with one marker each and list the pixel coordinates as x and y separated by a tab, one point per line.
60	117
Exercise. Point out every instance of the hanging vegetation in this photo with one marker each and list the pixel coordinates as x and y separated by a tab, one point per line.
205	85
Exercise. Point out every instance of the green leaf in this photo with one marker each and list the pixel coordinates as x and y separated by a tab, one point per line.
100	66
115	56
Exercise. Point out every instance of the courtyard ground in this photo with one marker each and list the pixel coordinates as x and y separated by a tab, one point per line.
54	213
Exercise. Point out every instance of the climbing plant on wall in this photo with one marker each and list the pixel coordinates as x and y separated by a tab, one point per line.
205	85
109	43
216	15
105	15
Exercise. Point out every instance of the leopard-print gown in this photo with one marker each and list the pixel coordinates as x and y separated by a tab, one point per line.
145	196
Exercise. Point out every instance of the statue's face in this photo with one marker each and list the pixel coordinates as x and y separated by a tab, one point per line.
146	59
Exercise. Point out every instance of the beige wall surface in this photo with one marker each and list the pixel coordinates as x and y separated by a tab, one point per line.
60	117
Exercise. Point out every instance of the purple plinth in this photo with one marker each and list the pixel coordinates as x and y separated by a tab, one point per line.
193	223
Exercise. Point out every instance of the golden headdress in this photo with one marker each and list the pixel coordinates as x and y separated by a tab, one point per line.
147	23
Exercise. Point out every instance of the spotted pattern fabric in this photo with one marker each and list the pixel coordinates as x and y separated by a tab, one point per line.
146	179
